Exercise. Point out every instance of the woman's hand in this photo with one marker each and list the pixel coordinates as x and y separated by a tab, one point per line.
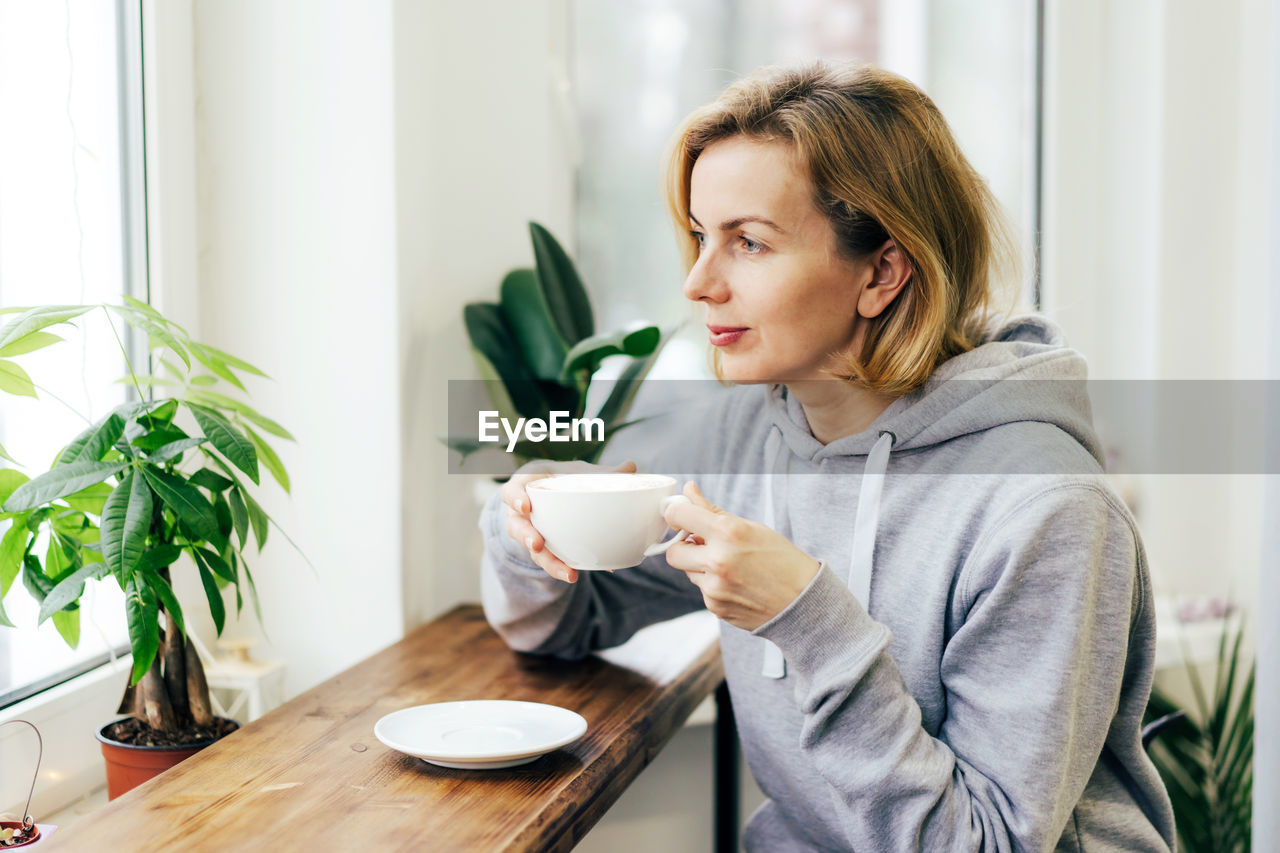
747	572
521	529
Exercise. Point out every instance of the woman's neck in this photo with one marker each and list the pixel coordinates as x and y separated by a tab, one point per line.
835	409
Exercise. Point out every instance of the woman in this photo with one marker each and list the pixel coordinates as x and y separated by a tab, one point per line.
947	642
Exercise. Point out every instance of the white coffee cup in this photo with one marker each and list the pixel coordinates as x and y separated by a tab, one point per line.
603	521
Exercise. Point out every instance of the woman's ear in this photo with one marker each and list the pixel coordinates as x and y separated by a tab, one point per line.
890	272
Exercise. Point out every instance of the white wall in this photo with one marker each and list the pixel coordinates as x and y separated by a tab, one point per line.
480	151
1154	246
1266	792
296	219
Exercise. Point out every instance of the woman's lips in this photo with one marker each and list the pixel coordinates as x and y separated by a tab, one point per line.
722	336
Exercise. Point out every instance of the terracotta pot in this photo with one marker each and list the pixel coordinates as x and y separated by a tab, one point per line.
128	766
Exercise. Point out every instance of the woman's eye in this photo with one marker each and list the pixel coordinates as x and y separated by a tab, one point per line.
750	245
700	238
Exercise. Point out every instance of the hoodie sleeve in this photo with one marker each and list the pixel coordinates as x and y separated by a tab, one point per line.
534	612
1033	673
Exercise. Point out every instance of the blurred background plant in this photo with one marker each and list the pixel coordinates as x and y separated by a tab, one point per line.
538	352
1205	756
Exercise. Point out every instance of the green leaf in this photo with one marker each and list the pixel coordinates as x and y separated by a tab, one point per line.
174	449
589	352
126	521
34	579
165	592
15	380
68	625
493	339
253	593
4	454
159	557
217	609
157	333
158	437
627	385
10	480
60	482
35	319
229	441
185	500
68	590
269	459
257	519
148	381
223	514
90	500
144	625
207	478
565	295
229	359
206	356
214	563
161	415
175	371
154	314
527	315
30	343
94	442
239	517
13	545
265	424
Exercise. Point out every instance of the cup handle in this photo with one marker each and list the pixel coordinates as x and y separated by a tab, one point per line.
661	547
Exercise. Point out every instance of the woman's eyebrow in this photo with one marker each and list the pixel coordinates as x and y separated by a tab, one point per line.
730	224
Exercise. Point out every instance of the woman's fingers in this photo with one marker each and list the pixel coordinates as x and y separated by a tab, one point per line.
701	520
522	530
550	563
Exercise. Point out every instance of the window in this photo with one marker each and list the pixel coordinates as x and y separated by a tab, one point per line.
70	232
640	68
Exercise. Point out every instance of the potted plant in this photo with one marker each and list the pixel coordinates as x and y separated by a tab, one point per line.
1205	753
538	352
157	479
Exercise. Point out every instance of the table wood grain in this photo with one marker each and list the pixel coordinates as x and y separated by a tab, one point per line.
311	775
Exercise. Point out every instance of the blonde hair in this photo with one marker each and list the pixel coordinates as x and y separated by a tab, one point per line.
883	165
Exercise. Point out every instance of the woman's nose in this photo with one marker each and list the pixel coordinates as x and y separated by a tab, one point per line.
705	283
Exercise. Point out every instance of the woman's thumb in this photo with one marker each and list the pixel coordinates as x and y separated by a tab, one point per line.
627	467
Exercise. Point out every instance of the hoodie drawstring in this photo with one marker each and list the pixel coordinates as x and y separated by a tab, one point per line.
774	665
867	520
865	524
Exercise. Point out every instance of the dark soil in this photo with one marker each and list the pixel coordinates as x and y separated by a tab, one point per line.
137	733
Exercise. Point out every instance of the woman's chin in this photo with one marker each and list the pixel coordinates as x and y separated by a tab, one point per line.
743	374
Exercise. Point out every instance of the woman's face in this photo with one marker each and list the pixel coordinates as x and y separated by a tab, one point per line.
781	299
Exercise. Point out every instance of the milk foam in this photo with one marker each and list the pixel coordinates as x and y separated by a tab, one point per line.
600	482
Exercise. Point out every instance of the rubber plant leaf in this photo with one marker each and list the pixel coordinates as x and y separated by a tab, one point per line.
492	337
625	387
566	297
525	309
589	352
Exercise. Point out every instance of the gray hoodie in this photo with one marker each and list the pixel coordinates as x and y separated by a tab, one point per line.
969	668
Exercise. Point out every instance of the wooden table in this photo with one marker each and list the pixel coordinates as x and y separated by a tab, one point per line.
311	775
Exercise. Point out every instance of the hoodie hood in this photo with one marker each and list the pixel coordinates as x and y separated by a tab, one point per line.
1023	371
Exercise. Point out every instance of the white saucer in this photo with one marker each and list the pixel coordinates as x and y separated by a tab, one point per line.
482	734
